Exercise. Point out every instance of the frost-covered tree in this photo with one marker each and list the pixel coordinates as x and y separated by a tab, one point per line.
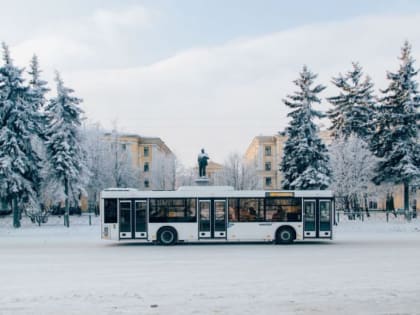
353	166
65	154
163	172
19	162
109	161
123	169
37	91
353	107
396	138
305	162
99	161
37	97
184	176
238	173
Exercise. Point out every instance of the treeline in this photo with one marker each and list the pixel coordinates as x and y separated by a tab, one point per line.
40	142
47	155
375	136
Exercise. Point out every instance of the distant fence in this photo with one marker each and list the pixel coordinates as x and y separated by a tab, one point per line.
52	220
375	214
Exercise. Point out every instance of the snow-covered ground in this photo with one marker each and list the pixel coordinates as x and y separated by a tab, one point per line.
371	267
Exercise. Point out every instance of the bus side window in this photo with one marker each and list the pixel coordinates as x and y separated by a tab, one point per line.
161	213
252	214
244	215
172	210
279	215
283	209
110	211
232	215
233	210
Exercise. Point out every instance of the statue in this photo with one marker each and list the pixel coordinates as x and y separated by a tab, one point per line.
202	163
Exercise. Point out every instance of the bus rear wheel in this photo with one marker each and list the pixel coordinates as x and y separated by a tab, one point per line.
285	235
167	236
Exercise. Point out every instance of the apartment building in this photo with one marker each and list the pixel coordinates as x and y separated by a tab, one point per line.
152	157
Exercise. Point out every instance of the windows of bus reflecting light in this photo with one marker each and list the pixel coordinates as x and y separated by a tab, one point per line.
246	209
276	209
283	209
173	210
239	210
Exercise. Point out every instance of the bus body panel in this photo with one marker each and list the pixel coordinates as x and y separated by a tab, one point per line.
187	232
111	231
259	231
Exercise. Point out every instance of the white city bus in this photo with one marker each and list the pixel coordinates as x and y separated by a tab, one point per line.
216	214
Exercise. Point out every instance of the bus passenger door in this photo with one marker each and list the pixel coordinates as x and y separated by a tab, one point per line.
317	218
325	218
204	210
125	219
309	218
212	219
140	219
219	218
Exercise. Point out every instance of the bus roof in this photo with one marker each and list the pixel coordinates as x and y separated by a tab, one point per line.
212	192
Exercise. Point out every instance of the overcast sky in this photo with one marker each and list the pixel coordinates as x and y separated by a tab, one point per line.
198	73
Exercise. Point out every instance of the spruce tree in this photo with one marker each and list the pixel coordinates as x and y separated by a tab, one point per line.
305	163
19	162
37	89
37	96
354	106
64	149
396	139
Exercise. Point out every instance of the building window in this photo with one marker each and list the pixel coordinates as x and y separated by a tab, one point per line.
146	183
268	181
267	150
124	146
146	167
268	166
146	151
373	204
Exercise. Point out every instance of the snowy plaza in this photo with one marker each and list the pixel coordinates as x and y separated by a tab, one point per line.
209	157
370	267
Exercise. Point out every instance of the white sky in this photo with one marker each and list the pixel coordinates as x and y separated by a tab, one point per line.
200	73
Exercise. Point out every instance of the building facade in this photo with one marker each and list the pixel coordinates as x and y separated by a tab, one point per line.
266	152
151	157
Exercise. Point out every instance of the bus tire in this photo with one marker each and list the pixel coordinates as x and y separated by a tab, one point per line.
285	235
167	236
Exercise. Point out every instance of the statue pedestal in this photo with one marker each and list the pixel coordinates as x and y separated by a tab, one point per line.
202	181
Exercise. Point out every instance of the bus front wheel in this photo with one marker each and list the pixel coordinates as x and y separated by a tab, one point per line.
167	236
285	235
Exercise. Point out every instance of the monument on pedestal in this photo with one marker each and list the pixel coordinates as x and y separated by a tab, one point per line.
202	159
